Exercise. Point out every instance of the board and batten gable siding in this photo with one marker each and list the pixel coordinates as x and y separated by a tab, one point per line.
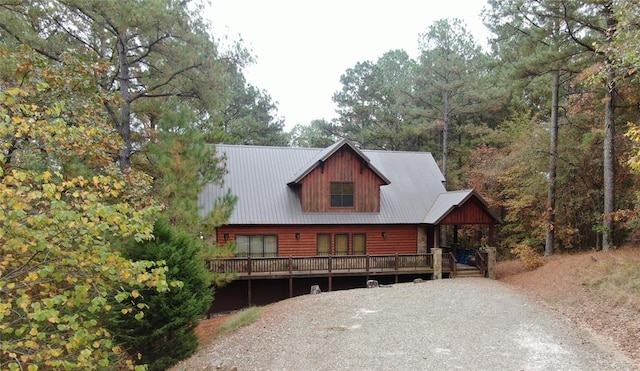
471	212
400	239
342	166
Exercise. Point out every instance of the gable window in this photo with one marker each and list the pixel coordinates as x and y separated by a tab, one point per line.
257	245
341	194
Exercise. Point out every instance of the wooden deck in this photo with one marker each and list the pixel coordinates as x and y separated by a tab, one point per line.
333	265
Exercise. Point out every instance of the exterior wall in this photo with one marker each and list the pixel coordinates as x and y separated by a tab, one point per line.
342	166
400	239
472	212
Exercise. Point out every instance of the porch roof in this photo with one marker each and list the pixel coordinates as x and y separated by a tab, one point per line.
447	202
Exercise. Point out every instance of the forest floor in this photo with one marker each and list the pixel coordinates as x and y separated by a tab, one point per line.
598	291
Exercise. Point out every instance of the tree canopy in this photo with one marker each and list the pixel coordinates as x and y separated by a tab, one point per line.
63	200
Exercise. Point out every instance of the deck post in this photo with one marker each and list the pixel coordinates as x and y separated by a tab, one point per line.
437	263
290	286
491	262
249	291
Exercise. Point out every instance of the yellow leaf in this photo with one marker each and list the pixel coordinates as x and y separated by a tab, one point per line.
33	276
135	293
46	176
34	331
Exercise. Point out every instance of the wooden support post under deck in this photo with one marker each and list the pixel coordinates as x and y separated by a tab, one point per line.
290	286
249	291
290	276
330	280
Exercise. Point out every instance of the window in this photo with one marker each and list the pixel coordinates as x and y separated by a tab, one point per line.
257	245
342	244
359	244
341	194
324	244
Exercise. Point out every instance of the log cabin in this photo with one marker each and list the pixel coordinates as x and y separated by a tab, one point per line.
304	212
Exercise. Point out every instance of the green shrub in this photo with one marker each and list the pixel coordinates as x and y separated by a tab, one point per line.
165	333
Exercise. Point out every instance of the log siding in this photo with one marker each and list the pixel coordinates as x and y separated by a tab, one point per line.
380	239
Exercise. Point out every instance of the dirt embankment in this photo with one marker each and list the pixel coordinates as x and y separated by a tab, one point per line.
593	289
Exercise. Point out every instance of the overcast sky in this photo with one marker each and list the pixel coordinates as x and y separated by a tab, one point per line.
303	47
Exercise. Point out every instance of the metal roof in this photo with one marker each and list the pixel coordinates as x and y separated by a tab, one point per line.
259	175
444	204
447	201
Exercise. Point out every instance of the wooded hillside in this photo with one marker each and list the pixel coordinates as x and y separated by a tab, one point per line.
109	112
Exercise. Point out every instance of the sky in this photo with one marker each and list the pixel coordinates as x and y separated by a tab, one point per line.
303	47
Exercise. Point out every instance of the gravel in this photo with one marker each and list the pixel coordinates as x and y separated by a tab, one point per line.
452	324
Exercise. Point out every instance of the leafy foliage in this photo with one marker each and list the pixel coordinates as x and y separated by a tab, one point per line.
62	202
165	333
528	256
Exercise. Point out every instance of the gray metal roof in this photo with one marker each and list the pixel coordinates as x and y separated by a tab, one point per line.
259	175
447	201
444	204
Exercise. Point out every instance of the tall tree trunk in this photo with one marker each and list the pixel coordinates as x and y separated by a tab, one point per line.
553	155
445	150
124	126
609	140
445	137
609	163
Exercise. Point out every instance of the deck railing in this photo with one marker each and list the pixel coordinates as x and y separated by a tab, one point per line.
449	260
322	264
481	262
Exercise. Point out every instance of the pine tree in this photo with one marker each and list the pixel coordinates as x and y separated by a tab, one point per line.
165	334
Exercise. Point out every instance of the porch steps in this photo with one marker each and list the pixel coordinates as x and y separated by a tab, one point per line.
466	271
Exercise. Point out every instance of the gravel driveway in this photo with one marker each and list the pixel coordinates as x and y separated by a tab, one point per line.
452	324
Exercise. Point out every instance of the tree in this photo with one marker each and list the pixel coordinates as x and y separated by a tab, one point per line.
532	30
251	119
166	332
373	102
181	164
63	201
624	46
316	135
584	31
446	87
156	49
